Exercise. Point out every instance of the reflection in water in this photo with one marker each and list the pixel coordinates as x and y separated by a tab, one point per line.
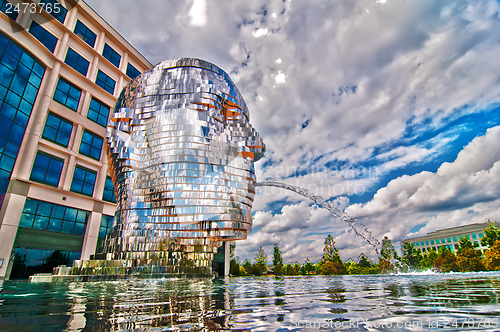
468	301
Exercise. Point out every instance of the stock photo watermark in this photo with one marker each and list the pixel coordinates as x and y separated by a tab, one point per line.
424	324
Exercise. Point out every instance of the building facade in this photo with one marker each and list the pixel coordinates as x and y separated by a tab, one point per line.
450	237
62	68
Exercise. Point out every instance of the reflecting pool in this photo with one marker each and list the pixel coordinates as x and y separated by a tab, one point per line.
418	302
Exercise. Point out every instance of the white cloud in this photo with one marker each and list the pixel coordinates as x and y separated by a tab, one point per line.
280	78
198	13
260	33
464	191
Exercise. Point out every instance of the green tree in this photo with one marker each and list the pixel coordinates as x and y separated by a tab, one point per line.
445	261
352	268
411	257
388	259
428	259
492	257
331	255
246	267
364	261
234	267
277	261
468	258
260	265
297	268
364	266
308	267
491	235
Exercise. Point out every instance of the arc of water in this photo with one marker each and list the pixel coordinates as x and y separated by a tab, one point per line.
358	228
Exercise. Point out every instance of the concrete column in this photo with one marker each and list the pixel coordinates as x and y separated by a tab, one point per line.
119	86
227	255
123	65
92	74
71	18
91	235
99	45
66	185
9	217
101	177
61	47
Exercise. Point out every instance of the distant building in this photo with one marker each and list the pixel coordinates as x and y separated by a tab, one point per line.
61	70
450	237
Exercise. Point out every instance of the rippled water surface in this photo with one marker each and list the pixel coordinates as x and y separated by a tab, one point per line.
449	302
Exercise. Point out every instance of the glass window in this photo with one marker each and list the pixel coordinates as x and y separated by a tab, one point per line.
85	33
67	94
454	239
422	243
106	224
53	217
448	239
20	78
98	112
105	82
7	8
83	181
109	193
46	38
474	236
132	72
55	9
438	241
29	261
426	243
47	169
77	62
111	55
91	145
432	241
481	234
417	244
57	129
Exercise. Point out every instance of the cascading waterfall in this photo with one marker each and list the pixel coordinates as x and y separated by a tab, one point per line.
357	227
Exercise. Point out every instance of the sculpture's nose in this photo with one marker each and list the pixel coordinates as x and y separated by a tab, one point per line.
252	145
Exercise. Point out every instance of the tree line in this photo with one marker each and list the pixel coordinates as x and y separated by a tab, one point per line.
466	258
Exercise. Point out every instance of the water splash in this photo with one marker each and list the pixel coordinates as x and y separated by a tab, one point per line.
356	226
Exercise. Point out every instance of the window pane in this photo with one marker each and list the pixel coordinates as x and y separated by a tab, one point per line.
77	62
111	55
105	82
57	129
52	217
98	112
85	33
67	94
132	72
83	181
46	38
108	193
91	145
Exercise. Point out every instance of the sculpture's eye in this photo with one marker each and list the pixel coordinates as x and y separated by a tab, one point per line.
222	109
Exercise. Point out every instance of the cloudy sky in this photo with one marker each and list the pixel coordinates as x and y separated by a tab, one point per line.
390	108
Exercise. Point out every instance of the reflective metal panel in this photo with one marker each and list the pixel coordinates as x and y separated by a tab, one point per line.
181	151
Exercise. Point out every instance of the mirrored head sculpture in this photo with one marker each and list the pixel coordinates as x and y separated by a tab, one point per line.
181	151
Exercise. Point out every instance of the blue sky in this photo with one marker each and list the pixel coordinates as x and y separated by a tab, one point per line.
390	108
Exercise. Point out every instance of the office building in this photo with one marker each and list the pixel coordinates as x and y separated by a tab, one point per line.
62	68
450	237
